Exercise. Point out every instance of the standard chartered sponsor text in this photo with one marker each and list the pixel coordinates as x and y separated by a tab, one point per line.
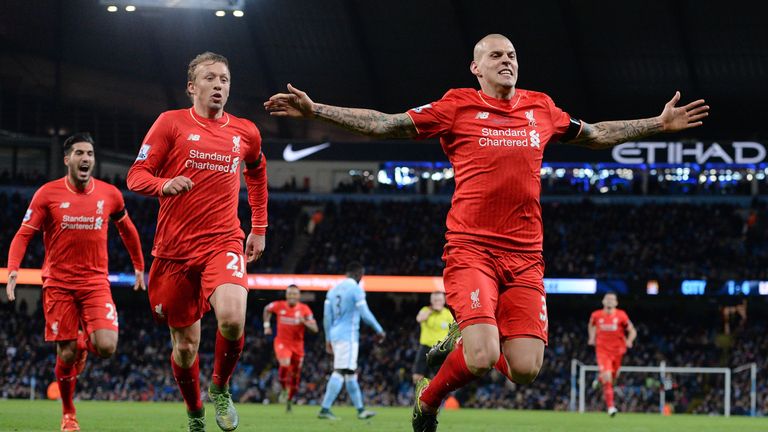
206	161
81	222
503	137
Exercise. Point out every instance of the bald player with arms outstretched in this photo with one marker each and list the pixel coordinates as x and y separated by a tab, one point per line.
495	139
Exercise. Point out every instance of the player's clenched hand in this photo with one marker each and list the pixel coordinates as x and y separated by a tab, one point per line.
328	347
591	342
139	285
629	344
254	246
10	289
178	185
295	103
675	119
267	331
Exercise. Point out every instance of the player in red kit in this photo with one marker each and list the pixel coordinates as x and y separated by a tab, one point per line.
495	139
191	160
611	333
292	318
73	214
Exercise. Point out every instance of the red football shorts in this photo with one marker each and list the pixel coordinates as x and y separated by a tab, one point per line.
609	362
504	289
286	349
179	290
67	310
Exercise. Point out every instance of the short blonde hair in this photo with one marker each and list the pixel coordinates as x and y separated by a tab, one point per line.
206	57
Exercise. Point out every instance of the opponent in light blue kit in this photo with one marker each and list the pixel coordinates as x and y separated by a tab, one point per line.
344	306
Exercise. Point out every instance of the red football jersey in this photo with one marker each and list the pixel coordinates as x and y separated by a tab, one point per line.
74	226
209	152
290	327
611	331
496	148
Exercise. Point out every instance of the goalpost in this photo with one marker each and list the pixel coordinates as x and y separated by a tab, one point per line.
579	370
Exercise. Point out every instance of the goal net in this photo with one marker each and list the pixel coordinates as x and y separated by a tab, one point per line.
695	389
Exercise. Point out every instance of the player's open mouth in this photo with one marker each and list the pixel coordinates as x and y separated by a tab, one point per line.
84	168
216	96
505	72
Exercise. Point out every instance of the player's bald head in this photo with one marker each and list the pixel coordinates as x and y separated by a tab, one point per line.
481	47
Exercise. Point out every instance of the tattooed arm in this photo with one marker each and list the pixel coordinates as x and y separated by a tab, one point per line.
296	103
609	133
367	122
672	119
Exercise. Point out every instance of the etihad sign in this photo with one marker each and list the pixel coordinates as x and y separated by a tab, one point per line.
740	152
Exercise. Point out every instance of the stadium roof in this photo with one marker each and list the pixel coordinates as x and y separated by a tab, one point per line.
598	60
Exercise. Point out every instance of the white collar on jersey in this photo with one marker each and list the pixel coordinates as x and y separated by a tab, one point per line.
194	117
482	98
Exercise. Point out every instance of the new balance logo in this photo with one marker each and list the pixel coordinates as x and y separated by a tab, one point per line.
193	137
475	297
482	115
65	204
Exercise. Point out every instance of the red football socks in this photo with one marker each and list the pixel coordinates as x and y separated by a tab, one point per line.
295	378
452	375
225	358
503	367
84	343
188	381
66	376
608	393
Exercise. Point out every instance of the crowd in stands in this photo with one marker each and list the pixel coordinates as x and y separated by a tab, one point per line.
622	241
139	369
405	237
26	178
283	219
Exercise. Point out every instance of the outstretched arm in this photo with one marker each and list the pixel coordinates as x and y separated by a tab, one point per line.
373	123
672	119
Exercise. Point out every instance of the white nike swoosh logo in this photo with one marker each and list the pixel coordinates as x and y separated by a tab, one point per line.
291	155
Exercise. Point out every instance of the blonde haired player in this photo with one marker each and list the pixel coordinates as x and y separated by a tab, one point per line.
191	160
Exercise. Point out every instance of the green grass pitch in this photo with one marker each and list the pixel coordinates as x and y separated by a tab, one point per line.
30	416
